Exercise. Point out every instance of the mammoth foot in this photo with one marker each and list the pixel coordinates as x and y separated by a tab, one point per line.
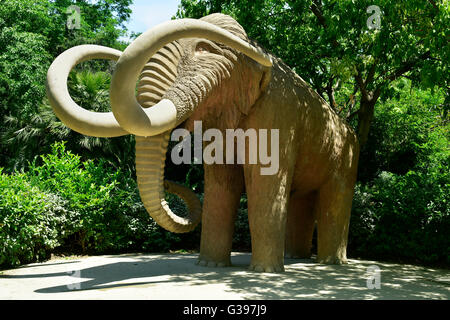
331	260
266	267
214	264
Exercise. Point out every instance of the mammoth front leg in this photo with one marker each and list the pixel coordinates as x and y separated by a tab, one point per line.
223	188
267	211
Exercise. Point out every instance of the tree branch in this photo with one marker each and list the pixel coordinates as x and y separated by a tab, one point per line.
407	66
371	73
361	85
376	94
330	93
316	9
352	115
351	100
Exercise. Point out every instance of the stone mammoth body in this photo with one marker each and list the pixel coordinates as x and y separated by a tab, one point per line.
209	70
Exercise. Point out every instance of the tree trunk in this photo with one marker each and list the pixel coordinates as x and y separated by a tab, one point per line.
365	114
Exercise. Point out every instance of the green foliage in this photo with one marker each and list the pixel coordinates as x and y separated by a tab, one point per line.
329	44
401	206
87	187
31	36
402	217
29	220
406	130
69	205
23	65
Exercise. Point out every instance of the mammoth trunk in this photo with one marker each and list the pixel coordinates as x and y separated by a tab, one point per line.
150	159
157	76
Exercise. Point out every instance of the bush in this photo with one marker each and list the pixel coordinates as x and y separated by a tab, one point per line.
401	204
29	220
68	205
402	217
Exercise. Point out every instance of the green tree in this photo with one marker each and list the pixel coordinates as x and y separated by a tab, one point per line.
407	130
31	36
102	22
400	207
329	43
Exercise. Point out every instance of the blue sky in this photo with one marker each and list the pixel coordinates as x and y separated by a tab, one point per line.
149	13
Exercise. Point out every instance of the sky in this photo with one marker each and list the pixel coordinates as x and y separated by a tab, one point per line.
149	13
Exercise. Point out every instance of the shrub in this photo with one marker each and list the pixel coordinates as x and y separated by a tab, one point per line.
89	189
68	205
29	220
401	203
402	217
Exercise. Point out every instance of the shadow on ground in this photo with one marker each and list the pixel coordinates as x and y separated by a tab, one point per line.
303	279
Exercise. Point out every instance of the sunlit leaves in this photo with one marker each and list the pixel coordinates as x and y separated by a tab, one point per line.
334	41
31	36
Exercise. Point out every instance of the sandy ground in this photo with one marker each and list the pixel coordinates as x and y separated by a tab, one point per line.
176	276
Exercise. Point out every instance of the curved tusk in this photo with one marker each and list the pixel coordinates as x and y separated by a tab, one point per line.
128	112
97	124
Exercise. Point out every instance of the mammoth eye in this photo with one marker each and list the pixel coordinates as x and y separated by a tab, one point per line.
202	50
205	47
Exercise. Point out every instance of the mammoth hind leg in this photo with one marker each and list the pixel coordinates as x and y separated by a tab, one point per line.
333	217
300	225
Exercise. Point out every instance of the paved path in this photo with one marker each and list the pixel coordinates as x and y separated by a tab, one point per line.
175	276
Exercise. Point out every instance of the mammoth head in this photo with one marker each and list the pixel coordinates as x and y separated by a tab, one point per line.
178	64
186	91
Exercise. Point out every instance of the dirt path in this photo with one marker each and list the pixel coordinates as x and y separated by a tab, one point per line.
175	276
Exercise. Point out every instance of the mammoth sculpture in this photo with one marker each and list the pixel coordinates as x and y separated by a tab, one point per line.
209	70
